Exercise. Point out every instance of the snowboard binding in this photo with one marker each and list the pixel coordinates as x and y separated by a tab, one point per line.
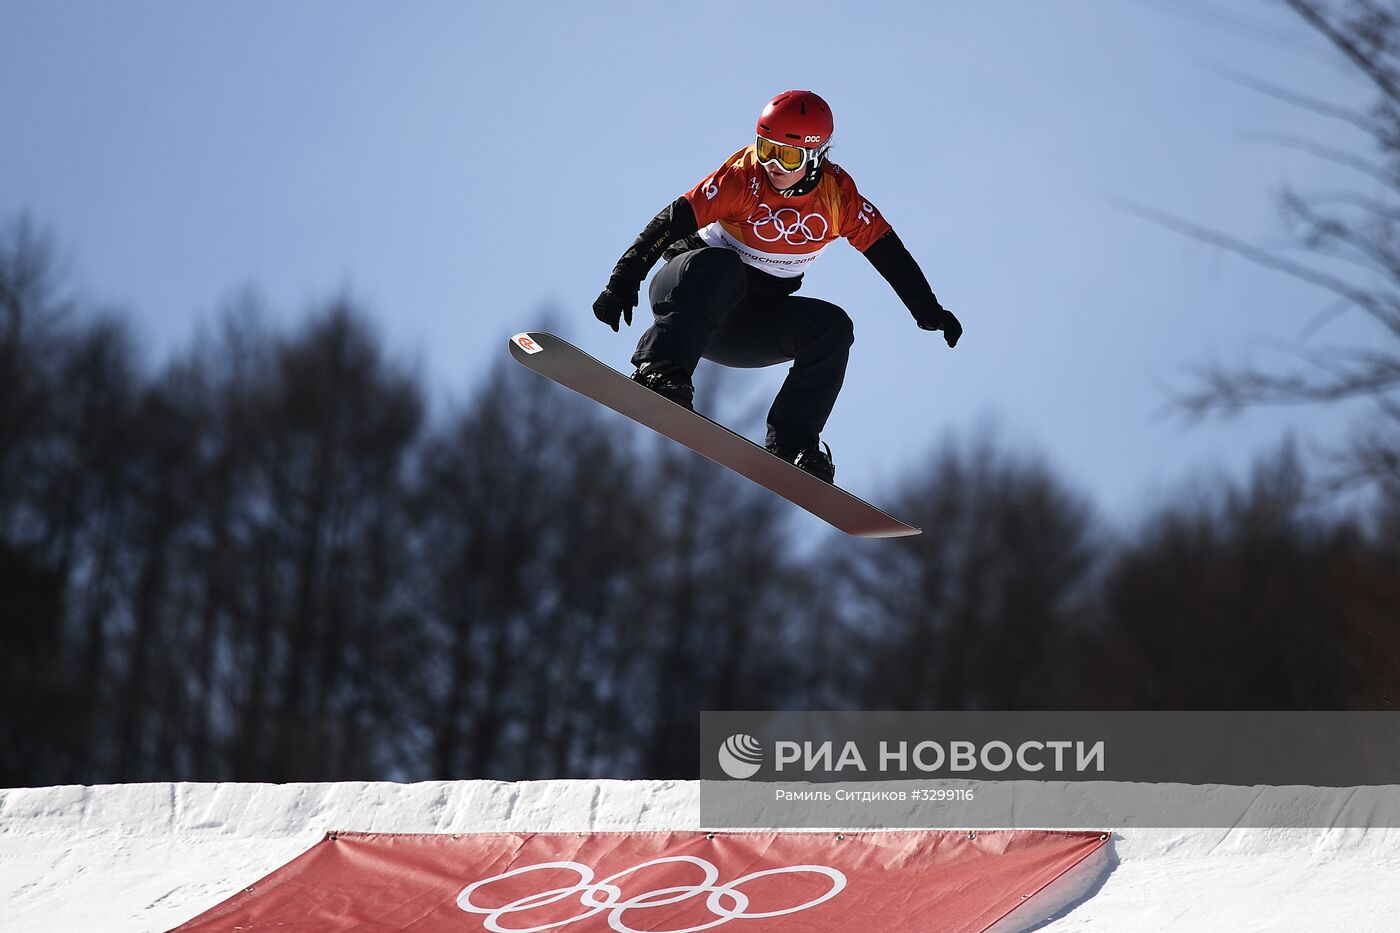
811	459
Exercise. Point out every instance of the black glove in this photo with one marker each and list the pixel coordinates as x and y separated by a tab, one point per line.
616	302
940	318
889	256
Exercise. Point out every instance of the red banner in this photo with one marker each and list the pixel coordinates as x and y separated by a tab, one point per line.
676	882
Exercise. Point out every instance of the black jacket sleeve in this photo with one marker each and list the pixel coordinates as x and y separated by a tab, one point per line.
892	260
675	221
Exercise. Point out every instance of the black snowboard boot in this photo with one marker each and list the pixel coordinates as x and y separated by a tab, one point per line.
668	380
811	459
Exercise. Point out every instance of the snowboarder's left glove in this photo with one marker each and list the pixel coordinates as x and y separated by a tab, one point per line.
615	303
940	318
892	259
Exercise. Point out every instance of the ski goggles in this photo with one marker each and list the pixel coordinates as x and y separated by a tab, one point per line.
788	158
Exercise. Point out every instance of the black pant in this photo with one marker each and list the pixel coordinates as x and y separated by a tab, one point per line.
707	303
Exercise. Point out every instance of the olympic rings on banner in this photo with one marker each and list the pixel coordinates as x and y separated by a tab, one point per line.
725	901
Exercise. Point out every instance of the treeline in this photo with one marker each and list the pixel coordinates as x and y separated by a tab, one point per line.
266	560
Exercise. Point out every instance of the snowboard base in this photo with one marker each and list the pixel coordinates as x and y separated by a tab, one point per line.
557	359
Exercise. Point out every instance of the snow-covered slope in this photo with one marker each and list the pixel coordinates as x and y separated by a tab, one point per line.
150	856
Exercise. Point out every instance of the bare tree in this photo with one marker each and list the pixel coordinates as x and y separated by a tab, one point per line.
1351	245
590	591
525	529
975	612
1246	597
339	421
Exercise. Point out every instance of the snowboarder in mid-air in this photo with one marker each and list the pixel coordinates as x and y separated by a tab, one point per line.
735	247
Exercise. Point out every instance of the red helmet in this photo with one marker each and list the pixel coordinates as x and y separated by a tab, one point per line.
797	118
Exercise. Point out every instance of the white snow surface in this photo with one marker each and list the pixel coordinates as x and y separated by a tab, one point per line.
146	857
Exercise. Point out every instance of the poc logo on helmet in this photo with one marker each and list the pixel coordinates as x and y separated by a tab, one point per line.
813	139
740	756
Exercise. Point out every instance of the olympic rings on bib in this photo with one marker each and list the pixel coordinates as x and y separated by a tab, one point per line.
787	225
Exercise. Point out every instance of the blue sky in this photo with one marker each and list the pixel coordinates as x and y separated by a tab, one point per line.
460	167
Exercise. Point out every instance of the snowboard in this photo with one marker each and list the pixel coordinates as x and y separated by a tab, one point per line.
556	359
